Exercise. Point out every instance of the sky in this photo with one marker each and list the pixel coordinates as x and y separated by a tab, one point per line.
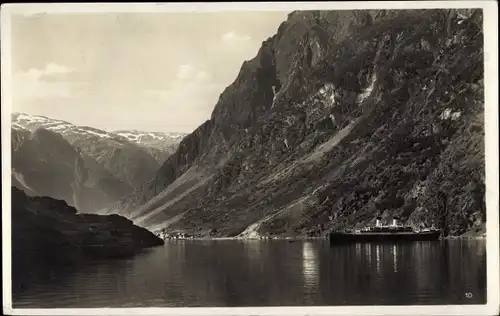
147	71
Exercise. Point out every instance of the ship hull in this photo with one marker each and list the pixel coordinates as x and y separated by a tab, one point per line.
339	237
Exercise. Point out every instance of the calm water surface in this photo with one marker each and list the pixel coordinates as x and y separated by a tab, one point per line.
229	273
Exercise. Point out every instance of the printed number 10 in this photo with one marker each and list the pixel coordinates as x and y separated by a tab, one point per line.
468	295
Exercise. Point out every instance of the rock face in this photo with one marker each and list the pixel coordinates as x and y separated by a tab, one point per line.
45	230
341	117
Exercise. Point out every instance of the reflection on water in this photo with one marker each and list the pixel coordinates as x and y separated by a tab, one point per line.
310	264
395	258
266	273
377	249
310	271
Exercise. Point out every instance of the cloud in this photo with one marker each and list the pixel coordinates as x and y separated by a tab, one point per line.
232	45
185	92
233	37
50	69
189	95
188	72
201	76
185	72
31	84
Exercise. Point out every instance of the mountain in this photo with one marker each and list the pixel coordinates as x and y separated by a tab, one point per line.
44	163
46	231
127	159
342	116
159	145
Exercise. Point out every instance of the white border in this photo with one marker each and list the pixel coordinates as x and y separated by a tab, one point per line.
491	127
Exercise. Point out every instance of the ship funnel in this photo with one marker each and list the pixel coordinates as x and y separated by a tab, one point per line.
394	221
378	222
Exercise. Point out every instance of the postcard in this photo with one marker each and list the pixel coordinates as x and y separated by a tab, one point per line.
268	158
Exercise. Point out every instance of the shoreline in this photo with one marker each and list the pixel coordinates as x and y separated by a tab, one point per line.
301	238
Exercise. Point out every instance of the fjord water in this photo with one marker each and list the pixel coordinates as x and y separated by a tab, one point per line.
228	273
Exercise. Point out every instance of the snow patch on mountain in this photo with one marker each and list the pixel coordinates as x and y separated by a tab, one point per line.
129	136
33	122
17	126
105	135
148	138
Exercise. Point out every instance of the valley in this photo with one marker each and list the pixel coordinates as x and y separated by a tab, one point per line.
346	116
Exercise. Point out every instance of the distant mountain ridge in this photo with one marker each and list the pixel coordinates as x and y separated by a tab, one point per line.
146	137
158	144
87	167
133	160
67	129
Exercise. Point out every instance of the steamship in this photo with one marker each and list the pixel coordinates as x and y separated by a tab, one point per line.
384	233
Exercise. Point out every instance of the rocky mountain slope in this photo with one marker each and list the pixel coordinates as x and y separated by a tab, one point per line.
45	164
342	116
132	160
58	234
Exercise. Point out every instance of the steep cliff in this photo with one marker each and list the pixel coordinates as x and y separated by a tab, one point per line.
342	116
